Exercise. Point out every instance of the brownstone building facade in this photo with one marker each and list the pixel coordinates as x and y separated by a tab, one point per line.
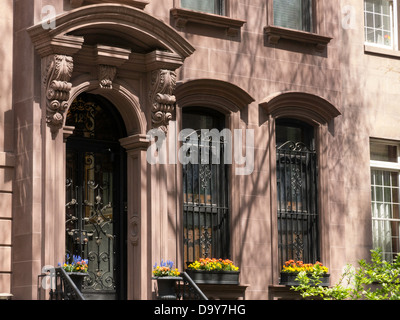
306	88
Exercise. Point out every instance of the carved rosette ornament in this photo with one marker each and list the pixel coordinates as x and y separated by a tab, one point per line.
58	73
163	101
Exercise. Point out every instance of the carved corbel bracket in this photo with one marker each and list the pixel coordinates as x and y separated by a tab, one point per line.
108	59
106	76
163	101
58	74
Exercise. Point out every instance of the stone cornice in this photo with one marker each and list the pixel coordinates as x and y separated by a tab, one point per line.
138	141
134	3
47	45
190	92
115	17
184	16
113	56
274	34
305	106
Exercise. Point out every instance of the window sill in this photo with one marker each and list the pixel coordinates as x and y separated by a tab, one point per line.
184	16
276	33
134	3
381	51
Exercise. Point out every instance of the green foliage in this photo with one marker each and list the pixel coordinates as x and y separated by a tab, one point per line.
375	280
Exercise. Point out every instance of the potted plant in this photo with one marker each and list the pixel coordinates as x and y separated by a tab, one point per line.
166	277
77	270
213	271
291	270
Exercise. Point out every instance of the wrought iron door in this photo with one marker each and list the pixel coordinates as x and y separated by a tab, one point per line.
95	212
298	236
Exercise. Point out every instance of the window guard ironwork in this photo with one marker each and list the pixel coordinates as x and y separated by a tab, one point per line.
205	203
298	236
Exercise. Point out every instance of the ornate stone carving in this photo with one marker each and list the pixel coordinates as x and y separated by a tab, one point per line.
163	101
106	76
134	228
58	73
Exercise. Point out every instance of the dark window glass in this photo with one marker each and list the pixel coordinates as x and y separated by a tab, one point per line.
293	14
94	117
209	6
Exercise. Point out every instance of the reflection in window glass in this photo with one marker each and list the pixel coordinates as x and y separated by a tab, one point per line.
293	14
385	211
209	6
379	19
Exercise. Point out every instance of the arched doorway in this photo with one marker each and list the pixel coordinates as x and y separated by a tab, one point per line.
96	195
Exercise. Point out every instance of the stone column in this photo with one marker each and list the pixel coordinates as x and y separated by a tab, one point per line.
138	219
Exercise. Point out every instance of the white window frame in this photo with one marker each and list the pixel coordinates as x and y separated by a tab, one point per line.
394	30
389	167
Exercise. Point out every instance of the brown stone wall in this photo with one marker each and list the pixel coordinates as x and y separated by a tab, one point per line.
356	80
6	146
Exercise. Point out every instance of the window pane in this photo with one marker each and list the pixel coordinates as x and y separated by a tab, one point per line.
378	21
383	152
386	7
379	194
385	211
369	20
378	6
378	15
293	14
386	23
210	6
369	6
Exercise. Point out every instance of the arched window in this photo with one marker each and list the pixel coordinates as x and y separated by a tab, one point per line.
304	119
205	186
297	194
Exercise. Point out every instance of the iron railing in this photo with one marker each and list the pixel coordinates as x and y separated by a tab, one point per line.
61	286
188	289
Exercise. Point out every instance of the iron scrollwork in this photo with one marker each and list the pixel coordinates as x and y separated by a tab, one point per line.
93	235
297	202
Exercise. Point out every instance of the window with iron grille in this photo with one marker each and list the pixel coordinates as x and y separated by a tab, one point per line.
296	171
385	198
209	6
205	188
293	14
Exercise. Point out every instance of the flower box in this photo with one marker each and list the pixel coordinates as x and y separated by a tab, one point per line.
77	278
213	277
291	270
166	277
166	287
289	279
213	271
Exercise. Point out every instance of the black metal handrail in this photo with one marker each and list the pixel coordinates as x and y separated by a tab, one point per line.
61	286
188	290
